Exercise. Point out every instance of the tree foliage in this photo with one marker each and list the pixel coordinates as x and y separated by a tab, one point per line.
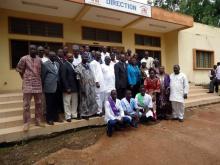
203	11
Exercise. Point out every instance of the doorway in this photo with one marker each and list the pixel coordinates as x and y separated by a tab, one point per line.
156	54
95	47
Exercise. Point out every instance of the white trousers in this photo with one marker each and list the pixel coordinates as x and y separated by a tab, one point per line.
70	102
100	99
178	109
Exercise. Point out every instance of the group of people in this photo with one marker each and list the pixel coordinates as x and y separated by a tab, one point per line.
123	87
214	75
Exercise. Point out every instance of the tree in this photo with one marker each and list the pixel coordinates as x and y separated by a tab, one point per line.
203	11
171	5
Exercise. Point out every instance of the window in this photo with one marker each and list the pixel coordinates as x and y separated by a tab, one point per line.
203	59
19	48
32	27
101	35
147	40
152	53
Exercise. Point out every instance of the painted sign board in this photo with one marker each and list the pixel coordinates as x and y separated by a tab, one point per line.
128	6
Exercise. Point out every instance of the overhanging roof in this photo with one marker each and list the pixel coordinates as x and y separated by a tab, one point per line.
161	20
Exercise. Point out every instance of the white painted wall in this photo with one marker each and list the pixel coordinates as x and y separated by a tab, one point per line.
200	36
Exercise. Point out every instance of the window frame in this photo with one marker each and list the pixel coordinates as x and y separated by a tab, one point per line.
195	59
144	36
29	30
29	41
107	30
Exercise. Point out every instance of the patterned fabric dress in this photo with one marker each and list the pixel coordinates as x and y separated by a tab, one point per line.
163	104
88	105
152	86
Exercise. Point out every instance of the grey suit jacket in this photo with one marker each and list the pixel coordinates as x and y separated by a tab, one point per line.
50	76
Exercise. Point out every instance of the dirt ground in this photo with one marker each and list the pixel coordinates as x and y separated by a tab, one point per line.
195	141
29	152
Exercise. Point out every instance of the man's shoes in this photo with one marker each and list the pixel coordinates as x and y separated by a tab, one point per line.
166	118
97	115
74	118
181	120
59	120
40	124
68	120
85	117
109	134
153	119
134	124
50	123
26	127
77	118
174	118
210	92
100	114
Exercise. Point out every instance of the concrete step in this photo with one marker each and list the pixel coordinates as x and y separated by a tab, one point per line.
202	101
193	91
16	133
11	97
199	95
12	104
195	87
13	112
13	121
10	91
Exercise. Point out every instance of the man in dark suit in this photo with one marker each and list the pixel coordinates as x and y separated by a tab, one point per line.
121	78
50	78
60	59
70	89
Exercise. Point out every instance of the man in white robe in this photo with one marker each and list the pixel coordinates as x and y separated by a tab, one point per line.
148	60
109	77
104	54
114	114
179	88
77	59
99	80
113	60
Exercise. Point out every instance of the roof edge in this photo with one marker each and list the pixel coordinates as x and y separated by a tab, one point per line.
172	17
158	13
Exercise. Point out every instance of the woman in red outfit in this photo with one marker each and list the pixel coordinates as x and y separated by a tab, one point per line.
152	87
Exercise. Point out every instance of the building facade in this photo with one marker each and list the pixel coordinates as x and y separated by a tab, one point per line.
171	37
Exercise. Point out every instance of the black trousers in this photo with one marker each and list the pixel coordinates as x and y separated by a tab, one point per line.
51	106
135	89
60	99
217	83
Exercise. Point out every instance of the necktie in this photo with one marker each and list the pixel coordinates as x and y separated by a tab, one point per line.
55	67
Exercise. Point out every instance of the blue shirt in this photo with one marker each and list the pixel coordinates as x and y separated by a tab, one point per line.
129	107
134	74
